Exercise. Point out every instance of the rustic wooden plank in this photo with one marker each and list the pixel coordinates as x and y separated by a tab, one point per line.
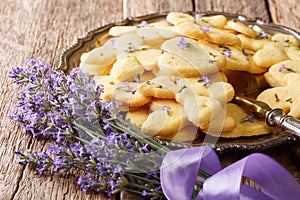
34	29
285	13
253	8
142	7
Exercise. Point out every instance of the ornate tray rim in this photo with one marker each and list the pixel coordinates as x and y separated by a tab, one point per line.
221	148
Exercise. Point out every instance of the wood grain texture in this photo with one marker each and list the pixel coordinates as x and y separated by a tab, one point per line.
38	28
286	13
252	8
142	7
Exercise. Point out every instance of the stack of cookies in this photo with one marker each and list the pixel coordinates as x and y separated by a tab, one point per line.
168	74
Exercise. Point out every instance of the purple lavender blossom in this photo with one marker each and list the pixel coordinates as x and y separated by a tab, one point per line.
205	80
283	67
145	193
206	28
198	16
262	35
89	183
249	118
183	44
143	24
89	135
113	41
40	96
227	53
166	108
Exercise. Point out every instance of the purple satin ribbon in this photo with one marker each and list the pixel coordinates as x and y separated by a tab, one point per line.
180	169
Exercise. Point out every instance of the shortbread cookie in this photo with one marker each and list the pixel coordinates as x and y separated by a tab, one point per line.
148	58
191	51
292	52
127	93
98	61
137	117
271	81
286	97
126	68
241	28
128	43
120	30
220	91
186	134
215	55
165	120
191	30
171	64
160	24
269	55
168	32
253	68
216	21
150	36
159	87
222	37
244	128
146	76
252	43
285	39
235	58
109	84
277	72
175	17
207	113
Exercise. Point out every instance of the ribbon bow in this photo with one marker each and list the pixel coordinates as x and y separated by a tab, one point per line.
179	174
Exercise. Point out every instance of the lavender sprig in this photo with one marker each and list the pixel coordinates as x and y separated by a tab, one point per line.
90	135
283	67
249	118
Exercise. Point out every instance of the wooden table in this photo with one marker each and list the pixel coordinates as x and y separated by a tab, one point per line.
44	28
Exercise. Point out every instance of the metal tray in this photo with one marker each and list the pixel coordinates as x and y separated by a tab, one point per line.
70	59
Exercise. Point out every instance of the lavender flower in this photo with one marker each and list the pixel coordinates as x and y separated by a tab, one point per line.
166	108
198	16
132	48
205	80
283	67
262	35
206	28
143	24
89	183
145	193
41	93
40	160
113	41
227	53
249	118
89	135
183	43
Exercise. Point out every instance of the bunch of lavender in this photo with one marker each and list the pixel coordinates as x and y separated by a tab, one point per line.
86	134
